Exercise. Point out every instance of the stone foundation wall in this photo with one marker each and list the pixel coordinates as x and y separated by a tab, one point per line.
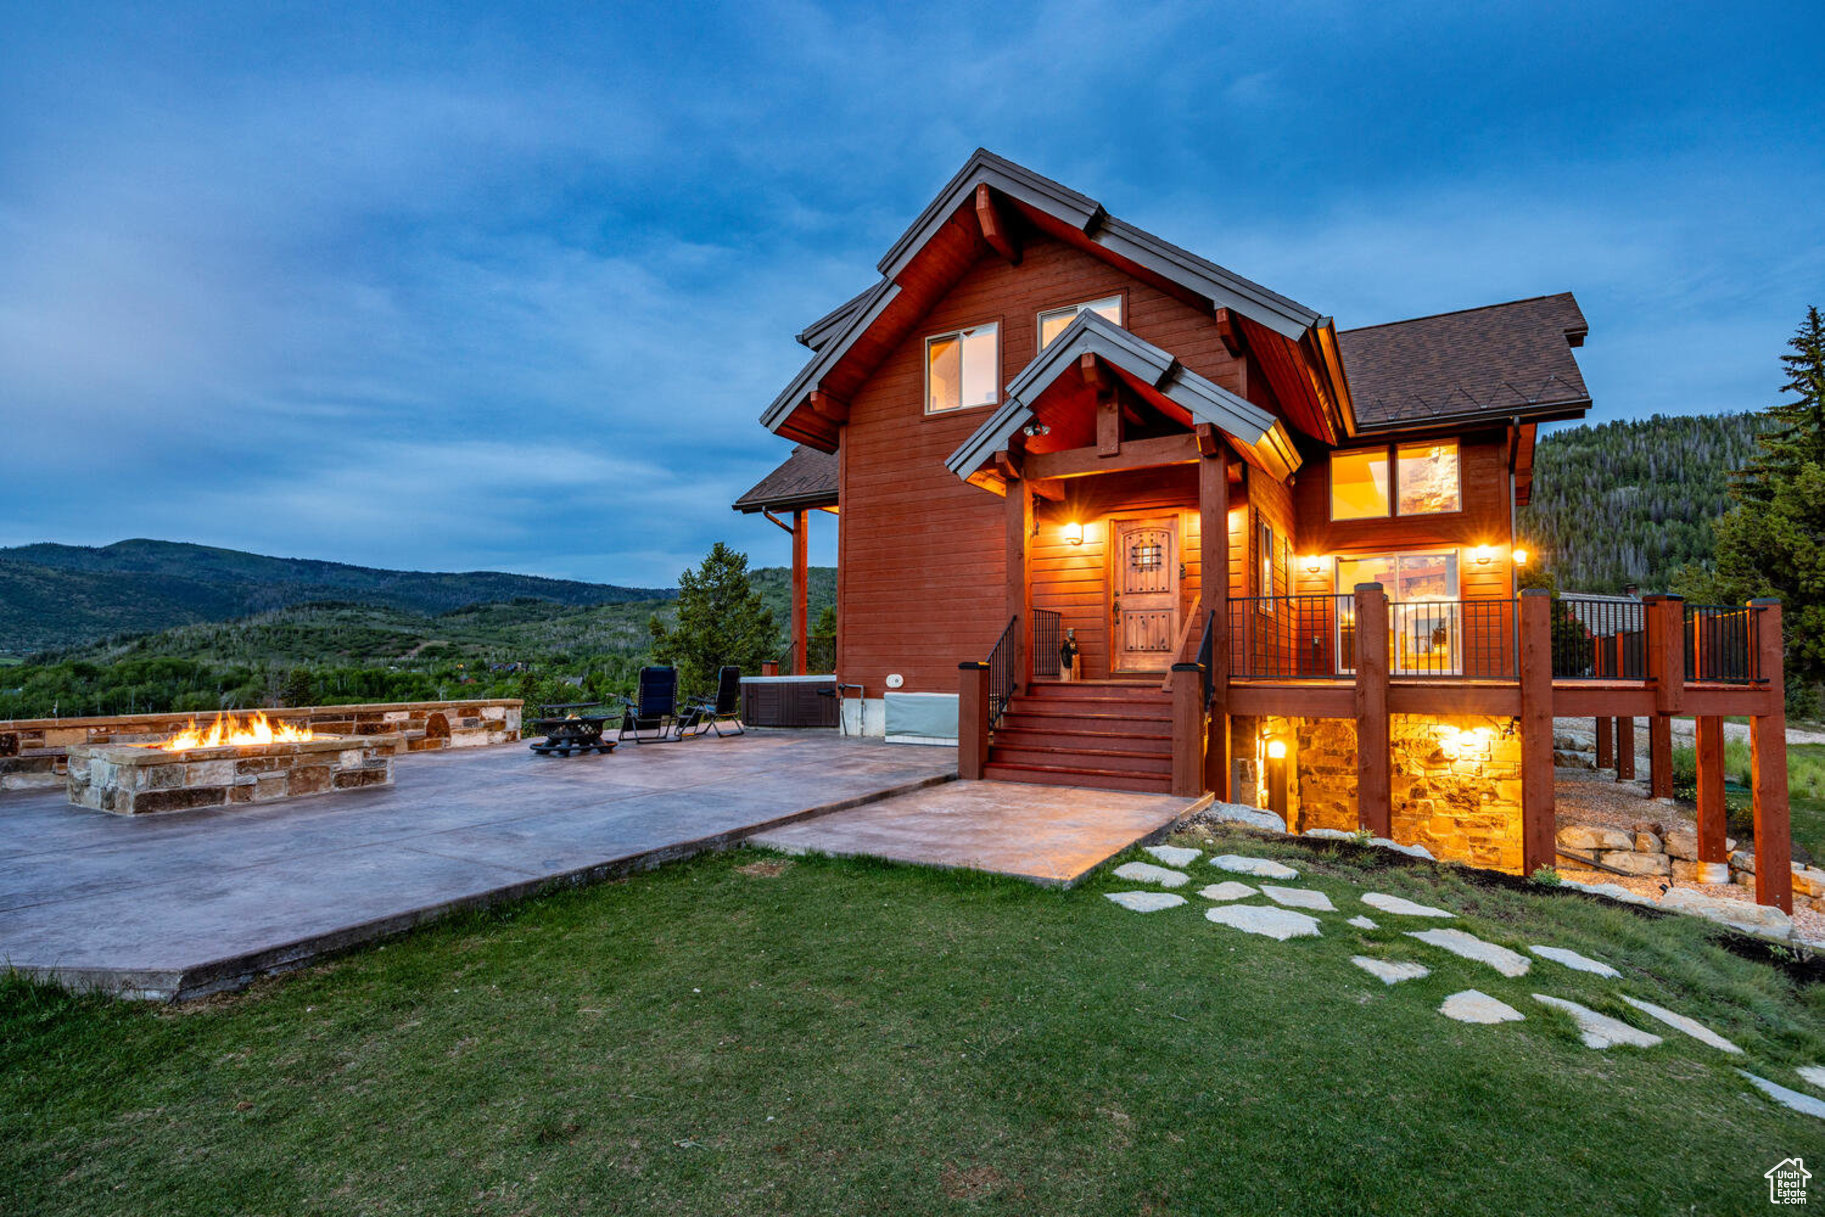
1455	784
127	780
33	751
1650	850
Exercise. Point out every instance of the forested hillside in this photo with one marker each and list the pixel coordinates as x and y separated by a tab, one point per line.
1631	502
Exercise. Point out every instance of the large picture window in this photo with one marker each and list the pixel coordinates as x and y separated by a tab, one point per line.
1423	614
963	369
1407	479
1428	478
1359	484
1053	322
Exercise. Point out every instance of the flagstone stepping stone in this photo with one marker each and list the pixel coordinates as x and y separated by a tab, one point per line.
1476	1006
1363	923
1240	813
1229	889
1175	855
1264	867
1600	1030
1788	1098
1571	959
1690	1026
1469	946
1814	1074
1264	919
1390	972
1147	872
1298	898
1146	902
1403	908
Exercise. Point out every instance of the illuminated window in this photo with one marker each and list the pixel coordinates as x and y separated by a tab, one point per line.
1429	478
1359	484
1053	323
962	369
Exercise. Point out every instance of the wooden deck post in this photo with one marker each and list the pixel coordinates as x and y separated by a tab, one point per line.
1768	766
1020	586
801	590
1711	811
1625	750
1666	629
1374	798
1537	830
1213	605
1188	730
972	719
1660	757
1606	743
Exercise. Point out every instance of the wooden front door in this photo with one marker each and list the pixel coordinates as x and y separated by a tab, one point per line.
1144	594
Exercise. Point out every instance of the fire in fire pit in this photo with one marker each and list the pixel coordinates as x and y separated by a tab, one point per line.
232	729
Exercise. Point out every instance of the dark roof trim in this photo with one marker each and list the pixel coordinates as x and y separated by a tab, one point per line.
826	357
1093	334
1537	412
815	334
807	500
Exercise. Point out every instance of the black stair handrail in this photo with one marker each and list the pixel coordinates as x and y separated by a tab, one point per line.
1001	672
1207	650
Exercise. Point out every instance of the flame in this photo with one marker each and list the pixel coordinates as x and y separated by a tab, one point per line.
231	729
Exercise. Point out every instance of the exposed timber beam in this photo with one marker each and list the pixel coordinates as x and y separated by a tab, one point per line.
995	228
1228	331
829	406
1135	454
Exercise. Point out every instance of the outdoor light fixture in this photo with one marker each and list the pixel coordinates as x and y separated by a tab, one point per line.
1033	429
1520	557
1312	564
1481	555
1276	750
1074	533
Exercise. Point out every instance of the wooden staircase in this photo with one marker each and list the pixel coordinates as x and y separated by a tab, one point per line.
1109	734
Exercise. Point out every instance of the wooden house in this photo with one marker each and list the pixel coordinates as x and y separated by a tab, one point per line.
1284	553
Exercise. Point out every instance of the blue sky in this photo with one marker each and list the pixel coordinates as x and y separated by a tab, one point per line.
506	286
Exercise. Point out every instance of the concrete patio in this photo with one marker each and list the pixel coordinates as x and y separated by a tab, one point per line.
186	903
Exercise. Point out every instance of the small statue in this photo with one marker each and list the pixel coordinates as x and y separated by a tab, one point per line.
1067	657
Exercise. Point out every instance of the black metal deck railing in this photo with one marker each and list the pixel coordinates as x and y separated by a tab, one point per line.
1599	638
1291	637
1002	685
1314	637
1720	644
1048	640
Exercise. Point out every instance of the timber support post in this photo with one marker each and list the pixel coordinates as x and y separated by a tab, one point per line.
972	719
1625	750
1213	602
1374	796
1666	647
1768	765
801	590
1188	730
1020	586
1712	816
1606	743
1538	847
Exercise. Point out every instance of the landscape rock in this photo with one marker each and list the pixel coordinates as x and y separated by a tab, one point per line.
1403	908
1229	889
1475	1006
1571	959
1412	851
1239	813
1147	872
1298	898
1587	837
1682	844
1277	923
1264	867
1390	972
1175	855
1742	859
1613	891
1631	863
1808	881
1813	1074
1792	1099
1600	1030
1328	834
1569	759
1363	923
1700	872
1738	914
1648	843
1469	946
1146	902
1680	1022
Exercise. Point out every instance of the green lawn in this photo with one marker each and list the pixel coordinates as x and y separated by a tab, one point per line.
847	1037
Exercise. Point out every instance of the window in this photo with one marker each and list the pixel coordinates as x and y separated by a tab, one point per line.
1265	562
1423	613
1426	481
962	369
1053	323
1359	484
1429	478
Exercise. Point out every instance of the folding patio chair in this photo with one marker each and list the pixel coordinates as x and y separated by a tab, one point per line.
654	709
705	714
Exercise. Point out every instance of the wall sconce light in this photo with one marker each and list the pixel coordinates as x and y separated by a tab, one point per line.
1276	750
1520	557
1036	429
1482	555
1312	564
1074	533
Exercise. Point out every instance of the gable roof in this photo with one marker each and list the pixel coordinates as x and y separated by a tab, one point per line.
1260	435
807	478
1500	360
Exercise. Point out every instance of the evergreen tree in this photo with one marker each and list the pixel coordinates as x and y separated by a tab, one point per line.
1772	543
721	620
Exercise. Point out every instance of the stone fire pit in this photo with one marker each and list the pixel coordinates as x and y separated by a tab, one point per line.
132	779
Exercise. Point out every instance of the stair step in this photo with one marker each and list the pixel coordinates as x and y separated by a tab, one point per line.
1079	690
1086	724
1090	758
1059	775
1111	741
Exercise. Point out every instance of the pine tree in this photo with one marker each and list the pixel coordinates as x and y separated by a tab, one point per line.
1772	543
721	620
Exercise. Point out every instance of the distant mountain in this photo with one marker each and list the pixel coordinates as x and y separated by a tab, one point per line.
54	596
1631	502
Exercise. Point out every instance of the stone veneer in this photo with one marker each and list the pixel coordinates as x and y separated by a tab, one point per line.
131	779
1459	797
32	751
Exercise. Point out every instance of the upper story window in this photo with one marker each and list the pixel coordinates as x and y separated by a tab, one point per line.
1407	479
963	368
1053	322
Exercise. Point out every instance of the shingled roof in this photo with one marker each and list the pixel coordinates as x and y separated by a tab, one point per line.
806	479
1502	359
